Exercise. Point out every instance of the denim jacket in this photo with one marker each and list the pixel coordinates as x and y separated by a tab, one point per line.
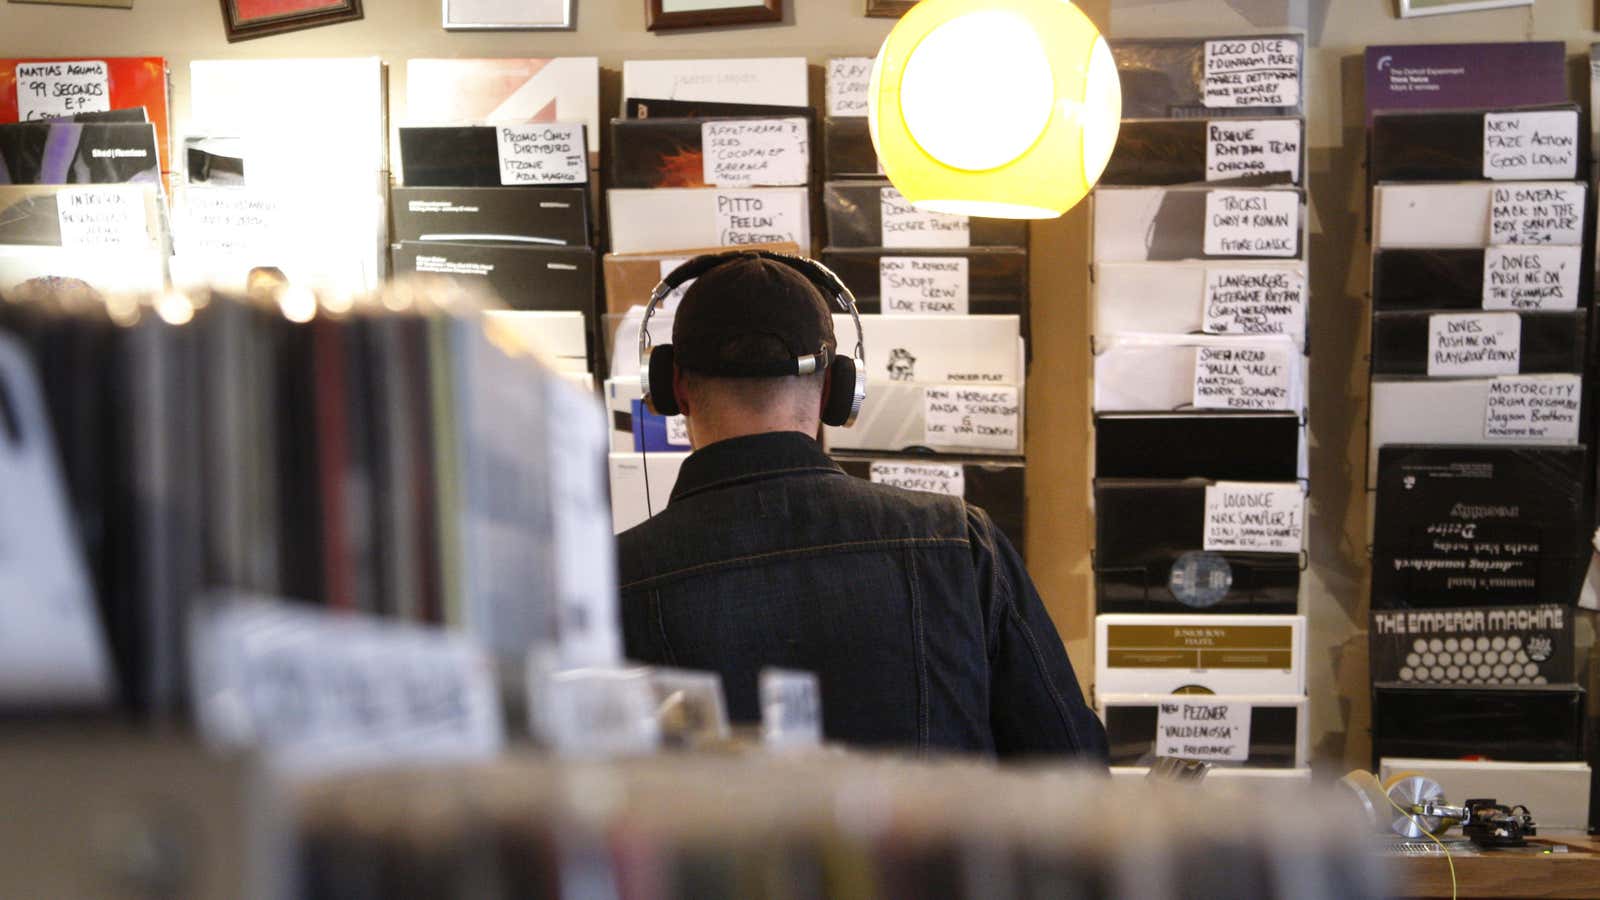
914	611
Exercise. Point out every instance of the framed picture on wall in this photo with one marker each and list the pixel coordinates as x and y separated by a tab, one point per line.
664	14
1410	9
507	15
894	9
245	19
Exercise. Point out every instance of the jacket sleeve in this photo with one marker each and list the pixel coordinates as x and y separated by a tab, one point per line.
1036	706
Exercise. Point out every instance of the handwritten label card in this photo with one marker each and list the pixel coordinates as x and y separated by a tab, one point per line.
678	431
1254	517
1474	344
49	90
1255	301
1530	145
849	79
1242	148
982	418
906	226
923	285
231	221
1253	378
758	152
1252	223
1533	407
1539	214
1207	730
761	217
102	216
669	303
1244	72
935	479
551	153
1531	278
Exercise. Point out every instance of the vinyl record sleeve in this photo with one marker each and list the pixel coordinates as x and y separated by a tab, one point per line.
996	487
79	153
1457	214
1523	724
677	219
506	91
1165	78
1467	526
277	101
135	82
635	428
1154	224
663	152
532	215
855	219
1476	645
1241	298
1278	726
847	150
1154	152
894	420
775	81
1489	74
628	500
525	277
1225	446
641	108
1199	654
973	350
452	156
1149	556
1552	342
30	215
1526	279
1440	411
996	277
1449	145
631	277
1158	372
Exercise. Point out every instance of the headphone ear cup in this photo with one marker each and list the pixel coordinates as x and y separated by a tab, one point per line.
839	406
661	399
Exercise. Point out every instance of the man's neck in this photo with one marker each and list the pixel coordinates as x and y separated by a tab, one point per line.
704	435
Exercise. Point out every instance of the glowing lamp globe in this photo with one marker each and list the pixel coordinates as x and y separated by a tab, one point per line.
1000	108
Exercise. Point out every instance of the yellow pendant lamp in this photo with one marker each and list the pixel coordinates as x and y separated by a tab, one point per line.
1000	108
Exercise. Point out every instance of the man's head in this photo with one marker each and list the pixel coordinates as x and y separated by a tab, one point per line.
736	325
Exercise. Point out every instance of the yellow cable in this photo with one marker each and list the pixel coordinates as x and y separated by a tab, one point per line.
1417	821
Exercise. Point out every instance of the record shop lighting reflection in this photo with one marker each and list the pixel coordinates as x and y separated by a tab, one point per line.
999	108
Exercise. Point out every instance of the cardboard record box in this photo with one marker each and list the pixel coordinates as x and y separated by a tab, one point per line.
1477	645
1445	344
1152	553
676	219
997	487
1450	145
1200	654
631	277
959	419
1458	214
1167	373
513	215
455	156
1226	446
662	152
524	276
874	214
79	153
1467	526
1457	411
506	91
1222	151
771	81
847	150
1248	297
1521	278
1164	224
1137	723
1538	723
635	428
1556	793
976	280
629	505
1250	75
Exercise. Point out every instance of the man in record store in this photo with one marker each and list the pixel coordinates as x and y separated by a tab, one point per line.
914	611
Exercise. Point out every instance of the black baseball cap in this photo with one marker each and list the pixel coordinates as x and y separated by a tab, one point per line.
751	316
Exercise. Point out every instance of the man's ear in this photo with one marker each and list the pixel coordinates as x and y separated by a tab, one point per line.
680	390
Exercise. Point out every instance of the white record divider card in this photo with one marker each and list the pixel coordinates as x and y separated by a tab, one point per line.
317	693
1530	144
1254	517
934	478
1245	148
1245	378
761	217
986	418
903	225
1203	729
1242	72
1474	344
102	216
548	153
1243	300
746	153
1533	407
849	78
49	90
924	285
1536	213
1531	278
1252	223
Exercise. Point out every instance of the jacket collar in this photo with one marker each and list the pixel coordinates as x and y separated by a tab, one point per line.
750	458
